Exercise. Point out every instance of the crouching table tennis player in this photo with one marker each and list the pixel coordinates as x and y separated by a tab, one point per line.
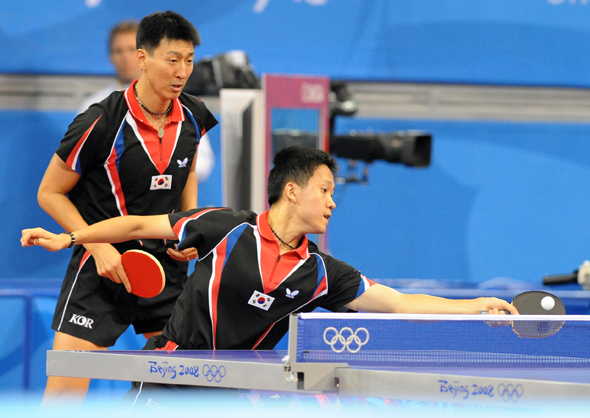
247	255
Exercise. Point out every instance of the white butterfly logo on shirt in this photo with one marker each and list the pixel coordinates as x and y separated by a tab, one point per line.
182	163
292	294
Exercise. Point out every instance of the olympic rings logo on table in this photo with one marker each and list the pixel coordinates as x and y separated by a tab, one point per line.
510	392
346	339
214	373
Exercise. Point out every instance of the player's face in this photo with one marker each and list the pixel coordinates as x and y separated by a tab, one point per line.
124	57
169	67
315	201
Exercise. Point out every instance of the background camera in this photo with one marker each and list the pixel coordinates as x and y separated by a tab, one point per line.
411	148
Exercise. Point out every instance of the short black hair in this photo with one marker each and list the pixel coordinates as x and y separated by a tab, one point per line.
157	26
296	164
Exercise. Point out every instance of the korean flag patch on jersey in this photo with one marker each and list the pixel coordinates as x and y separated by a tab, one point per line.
162	182
260	300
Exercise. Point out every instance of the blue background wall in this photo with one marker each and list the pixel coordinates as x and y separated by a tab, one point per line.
500	199
535	42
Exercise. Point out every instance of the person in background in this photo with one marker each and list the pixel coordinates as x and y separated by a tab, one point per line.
133	153
123	56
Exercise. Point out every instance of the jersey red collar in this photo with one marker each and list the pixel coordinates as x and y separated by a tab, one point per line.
266	233
176	114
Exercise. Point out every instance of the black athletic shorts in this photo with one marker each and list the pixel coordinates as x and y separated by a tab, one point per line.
95	309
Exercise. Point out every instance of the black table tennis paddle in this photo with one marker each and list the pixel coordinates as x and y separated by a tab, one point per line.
537	302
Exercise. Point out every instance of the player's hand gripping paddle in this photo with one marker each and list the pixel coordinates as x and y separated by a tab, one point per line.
145	273
536	302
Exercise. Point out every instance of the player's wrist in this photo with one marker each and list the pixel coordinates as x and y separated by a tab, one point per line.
478	306
72	239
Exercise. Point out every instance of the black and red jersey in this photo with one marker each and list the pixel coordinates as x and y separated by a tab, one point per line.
126	169
242	290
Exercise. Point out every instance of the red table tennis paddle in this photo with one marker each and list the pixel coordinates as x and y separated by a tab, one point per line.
145	273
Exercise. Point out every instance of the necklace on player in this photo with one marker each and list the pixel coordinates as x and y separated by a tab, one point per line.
160	129
145	107
279	238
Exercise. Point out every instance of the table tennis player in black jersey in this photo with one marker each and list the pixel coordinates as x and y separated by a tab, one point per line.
134	153
257	269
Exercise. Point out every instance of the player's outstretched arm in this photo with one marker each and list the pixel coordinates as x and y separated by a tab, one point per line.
379	298
123	228
45	239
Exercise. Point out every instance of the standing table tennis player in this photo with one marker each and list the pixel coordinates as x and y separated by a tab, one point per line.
123	55
133	153
256	270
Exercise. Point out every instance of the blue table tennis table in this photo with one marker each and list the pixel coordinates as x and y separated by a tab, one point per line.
516	362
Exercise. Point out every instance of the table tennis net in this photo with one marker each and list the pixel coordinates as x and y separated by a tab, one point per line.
449	340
